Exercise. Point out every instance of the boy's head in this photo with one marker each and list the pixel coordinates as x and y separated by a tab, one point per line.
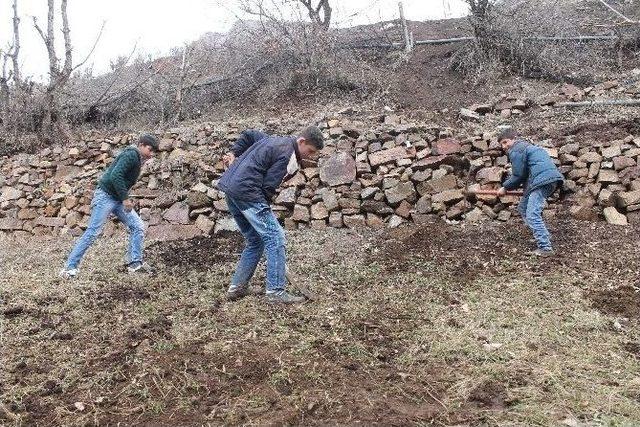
310	142
507	137
148	145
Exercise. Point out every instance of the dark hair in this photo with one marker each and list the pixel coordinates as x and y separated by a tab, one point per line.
314	136
508	133
149	140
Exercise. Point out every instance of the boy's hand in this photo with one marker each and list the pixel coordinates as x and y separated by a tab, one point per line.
227	159
501	191
128	205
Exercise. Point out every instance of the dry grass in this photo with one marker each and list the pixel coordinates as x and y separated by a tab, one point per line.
380	348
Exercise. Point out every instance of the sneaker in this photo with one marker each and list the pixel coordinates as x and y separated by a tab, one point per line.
139	267
543	252
68	274
235	293
284	297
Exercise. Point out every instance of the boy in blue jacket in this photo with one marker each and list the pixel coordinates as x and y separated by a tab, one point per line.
533	169
257	164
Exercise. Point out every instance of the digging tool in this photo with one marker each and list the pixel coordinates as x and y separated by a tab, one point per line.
306	292
493	192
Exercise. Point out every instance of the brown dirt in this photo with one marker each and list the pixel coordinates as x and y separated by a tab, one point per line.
469	251
197	254
622	301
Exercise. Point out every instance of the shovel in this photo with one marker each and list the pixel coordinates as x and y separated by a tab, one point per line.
306	292
493	193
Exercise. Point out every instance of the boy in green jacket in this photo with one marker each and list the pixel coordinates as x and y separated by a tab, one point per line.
112	197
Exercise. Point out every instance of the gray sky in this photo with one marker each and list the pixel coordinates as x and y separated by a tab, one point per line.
159	25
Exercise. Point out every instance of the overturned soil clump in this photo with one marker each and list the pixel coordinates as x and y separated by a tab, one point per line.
623	301
197	254
594	253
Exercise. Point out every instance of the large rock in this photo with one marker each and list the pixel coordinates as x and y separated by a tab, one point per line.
197	200
627	198
172	232
447	146
338	169
178	213
300	214
50	221
614	217
10	193
490	174
438	185
448	197
469	115
400	192
354	221
608	176
390	155
225	224
287	197
319	211
10	224
205	224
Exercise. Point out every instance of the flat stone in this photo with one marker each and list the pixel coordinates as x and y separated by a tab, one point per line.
287	197
338	169
354	221
448	197
225	224
50	221
10	224
178	213
402	191
205	224
447	146
614	217
319	211
300	214
438	185
627	198
165	232
608	176
10	193
469	115
490	175
390	155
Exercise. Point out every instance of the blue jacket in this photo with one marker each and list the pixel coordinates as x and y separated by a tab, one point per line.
531	167
260	166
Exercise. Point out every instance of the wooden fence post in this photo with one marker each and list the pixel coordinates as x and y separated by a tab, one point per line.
408	38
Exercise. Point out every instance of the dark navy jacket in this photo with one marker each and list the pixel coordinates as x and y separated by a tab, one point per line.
260	166
531	167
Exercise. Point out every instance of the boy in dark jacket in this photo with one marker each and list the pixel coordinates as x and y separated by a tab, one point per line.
112	197
257	164
532	168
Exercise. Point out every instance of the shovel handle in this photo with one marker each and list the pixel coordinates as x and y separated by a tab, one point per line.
495	192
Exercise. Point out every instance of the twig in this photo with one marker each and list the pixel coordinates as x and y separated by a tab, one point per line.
608	6
95	43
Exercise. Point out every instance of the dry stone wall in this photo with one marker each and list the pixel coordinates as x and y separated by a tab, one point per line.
374	172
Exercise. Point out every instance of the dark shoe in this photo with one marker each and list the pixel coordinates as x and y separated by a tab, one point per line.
236	292
284	297
543	253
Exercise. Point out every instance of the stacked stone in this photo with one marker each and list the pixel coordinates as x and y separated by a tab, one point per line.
377	172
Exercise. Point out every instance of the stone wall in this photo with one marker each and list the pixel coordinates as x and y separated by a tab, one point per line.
376	172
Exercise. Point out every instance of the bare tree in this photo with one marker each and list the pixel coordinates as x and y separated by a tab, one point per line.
16	45
58	75
320	13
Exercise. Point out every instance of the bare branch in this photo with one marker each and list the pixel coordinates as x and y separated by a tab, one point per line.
93	48
68	59
608	6
16	44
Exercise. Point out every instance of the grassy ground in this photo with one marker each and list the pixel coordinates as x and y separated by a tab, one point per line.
410	329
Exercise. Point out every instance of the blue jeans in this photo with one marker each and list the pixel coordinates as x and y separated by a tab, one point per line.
102	206
261	231
530	209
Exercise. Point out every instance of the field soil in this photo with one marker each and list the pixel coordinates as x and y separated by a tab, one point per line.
434	325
